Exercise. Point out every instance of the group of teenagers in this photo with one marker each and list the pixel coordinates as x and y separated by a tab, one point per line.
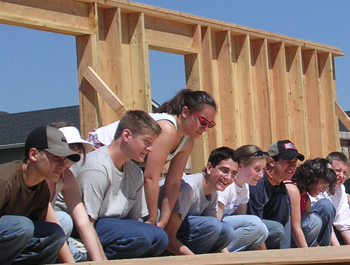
71	200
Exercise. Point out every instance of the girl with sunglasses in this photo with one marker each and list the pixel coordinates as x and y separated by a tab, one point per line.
311	226
183	119
249	231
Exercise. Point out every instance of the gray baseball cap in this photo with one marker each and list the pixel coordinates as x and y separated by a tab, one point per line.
52	140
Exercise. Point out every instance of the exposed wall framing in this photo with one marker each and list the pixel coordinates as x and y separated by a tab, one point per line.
267	86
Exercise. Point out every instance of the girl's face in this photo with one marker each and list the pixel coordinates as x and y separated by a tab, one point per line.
253	172
193	125
319	187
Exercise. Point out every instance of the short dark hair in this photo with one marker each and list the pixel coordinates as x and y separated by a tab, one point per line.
138	122
337	156
223	153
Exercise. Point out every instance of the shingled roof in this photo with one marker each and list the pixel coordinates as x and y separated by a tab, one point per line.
15	127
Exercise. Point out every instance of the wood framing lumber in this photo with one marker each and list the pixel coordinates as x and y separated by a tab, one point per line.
316	255
341	114
105	92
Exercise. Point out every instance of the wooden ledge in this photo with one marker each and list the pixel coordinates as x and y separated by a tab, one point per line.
319	255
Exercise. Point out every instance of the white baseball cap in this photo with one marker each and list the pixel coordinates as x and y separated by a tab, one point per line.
72	135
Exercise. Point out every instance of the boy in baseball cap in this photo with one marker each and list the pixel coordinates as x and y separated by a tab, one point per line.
28	232
269	199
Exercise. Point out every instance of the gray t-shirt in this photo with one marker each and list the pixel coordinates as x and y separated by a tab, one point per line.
191	200
108	192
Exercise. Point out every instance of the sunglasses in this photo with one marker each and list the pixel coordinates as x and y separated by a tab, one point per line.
258	153
204	121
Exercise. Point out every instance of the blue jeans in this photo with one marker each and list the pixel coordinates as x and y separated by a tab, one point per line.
126	238
23	241
249	232
67	225
276	234
325	210
204	234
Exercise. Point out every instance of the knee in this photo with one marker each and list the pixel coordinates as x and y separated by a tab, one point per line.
24	227
66	222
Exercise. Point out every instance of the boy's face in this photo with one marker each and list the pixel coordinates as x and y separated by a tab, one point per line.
284	169
50	166
141	146
341	170
223	174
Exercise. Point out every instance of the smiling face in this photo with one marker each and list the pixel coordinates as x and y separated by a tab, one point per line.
319	187
192	122
283	169
221	176
341	170
253	172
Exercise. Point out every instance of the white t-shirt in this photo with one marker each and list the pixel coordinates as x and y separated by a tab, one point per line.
232	197
341	205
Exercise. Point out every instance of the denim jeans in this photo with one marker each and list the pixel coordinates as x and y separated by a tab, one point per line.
276	234
325	210
23	241
249	232
204	234
77	249
126	238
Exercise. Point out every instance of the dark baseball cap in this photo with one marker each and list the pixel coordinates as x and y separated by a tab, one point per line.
51	140
285	149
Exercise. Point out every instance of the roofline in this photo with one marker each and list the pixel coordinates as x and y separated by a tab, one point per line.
9	146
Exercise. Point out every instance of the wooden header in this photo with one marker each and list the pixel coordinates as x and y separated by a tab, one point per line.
267	86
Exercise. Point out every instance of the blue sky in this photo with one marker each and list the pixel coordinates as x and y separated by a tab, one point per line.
38	69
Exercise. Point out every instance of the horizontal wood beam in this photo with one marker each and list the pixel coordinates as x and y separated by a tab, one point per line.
317	255
67	17
216	25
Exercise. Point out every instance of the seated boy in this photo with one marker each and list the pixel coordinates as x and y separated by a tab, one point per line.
27	235
193	227
112	190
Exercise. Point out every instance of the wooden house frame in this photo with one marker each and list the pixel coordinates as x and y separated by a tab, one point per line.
267	86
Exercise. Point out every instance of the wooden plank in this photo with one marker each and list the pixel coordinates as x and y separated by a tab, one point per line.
331	141
343	117
226	103
317	255
111	57
243	87
279	99
296	106
87	54
261	88
68	17
105	92
208	83
312	102
140	80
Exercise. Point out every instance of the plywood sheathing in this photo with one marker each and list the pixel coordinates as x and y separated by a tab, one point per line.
267	86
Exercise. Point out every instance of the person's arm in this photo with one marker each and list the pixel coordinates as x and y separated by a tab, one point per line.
241	209
334	239
173	182
220	211
295	217
64	255
154	165
175	246
77	211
